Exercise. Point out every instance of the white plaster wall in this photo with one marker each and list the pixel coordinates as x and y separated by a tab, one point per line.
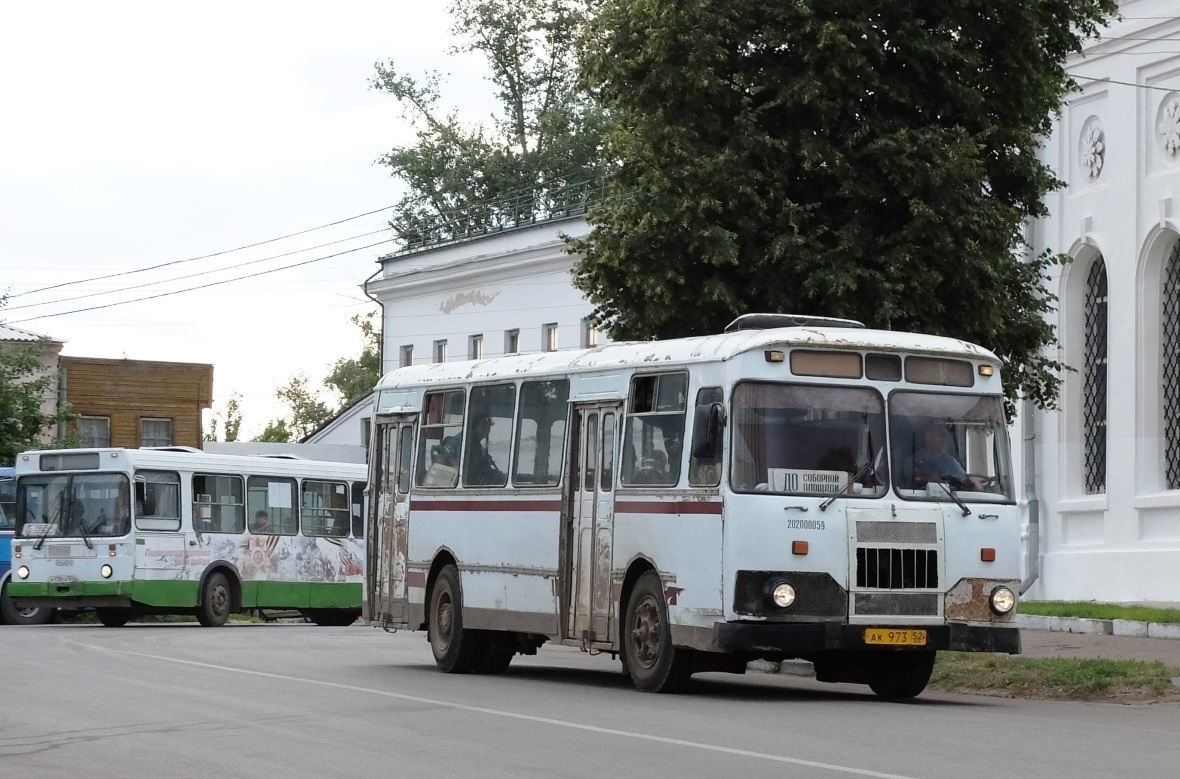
515	281
1122	545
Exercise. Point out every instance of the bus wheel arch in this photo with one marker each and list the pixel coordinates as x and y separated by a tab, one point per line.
635	568
442	559
219	594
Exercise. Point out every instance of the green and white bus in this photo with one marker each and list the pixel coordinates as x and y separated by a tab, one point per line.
174	530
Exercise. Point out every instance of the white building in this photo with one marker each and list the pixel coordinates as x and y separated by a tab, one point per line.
1108	461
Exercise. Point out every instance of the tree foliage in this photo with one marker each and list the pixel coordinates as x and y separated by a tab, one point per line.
545	127
873	160
24	387
232	419
307	411
355	378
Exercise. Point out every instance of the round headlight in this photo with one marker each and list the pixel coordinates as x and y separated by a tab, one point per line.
1003	600
783	595
106	571
23	572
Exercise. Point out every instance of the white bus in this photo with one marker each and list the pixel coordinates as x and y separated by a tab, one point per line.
845	496
174	530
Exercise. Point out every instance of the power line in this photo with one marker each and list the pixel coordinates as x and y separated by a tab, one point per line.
206	256
1104	80
189	276
201	286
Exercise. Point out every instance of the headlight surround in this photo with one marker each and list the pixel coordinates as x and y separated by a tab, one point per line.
106	570
23	572
1002	600
782	594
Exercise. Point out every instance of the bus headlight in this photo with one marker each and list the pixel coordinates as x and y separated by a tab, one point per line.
106	571
783	595
1003	600
23	572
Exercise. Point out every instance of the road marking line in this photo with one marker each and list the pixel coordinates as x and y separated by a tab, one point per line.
511	715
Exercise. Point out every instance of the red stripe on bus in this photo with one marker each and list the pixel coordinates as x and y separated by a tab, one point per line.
485	505
656	507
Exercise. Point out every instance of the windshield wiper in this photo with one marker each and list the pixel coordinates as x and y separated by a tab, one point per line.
950	491
48	530
848	486
85	537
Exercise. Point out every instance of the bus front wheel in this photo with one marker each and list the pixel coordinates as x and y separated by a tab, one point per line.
13	616
646	640
216	601
113	618
455	649
899	675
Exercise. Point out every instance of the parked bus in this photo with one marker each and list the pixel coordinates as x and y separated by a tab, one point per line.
552	497
9	613
174	530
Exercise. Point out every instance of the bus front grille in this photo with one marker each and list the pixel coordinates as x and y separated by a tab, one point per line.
896	569
881	532
896	604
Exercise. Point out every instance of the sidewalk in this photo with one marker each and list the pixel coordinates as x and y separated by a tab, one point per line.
1044	643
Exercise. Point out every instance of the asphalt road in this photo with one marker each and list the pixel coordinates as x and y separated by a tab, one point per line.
302	701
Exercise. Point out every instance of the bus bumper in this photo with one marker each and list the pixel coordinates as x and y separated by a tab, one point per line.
801	639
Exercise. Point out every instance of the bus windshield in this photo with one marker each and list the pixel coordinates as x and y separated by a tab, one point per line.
73	505
958	442
808	440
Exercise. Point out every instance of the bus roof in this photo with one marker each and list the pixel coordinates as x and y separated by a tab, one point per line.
679	351
114	458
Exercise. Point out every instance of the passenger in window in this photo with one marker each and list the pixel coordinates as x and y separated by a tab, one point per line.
481	466
262	522
653	468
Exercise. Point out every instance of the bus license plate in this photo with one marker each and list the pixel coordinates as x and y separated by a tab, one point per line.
895	637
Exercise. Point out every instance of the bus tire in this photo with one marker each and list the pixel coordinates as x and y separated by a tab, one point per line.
899	675
113	618
13	616
652	662
216	601
331	618
456	651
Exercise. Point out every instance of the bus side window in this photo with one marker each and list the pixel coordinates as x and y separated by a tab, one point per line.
440	441
706	471
654	430
358	509
219	504
540	433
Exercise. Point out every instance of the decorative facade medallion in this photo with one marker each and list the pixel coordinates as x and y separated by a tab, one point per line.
1167	127
1092	149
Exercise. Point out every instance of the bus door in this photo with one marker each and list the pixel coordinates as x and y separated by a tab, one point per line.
389	520
592	522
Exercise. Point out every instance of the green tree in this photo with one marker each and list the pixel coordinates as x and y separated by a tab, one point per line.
354	378
545	127
24	386
307	411
232	418
276	431
871	159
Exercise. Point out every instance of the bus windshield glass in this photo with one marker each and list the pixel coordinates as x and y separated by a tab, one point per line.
83	505
809	440
949	445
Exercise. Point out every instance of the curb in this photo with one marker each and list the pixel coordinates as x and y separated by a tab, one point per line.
1104	627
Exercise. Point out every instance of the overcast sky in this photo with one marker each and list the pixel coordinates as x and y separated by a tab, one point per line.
139	133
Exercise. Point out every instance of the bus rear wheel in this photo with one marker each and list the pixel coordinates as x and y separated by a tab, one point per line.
216	601
13	616
899	675
331	618
653	664
113	618
456	650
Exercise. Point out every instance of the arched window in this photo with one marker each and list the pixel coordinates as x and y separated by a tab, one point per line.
1094	387
1170	365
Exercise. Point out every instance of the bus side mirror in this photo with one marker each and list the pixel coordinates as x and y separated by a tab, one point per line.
706	431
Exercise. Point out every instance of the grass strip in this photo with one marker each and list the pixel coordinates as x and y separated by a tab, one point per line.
1092	610
1054	678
